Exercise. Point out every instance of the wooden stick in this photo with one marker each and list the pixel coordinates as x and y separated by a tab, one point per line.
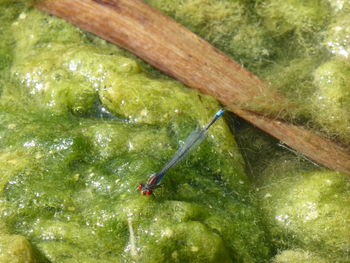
175	50
313	146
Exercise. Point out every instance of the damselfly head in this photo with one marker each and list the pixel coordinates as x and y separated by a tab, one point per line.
144	189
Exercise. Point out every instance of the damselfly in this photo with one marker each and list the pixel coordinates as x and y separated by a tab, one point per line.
192	140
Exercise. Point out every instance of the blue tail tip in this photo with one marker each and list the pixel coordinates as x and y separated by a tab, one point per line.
220	112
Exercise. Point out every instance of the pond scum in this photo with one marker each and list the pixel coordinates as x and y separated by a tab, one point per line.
83	122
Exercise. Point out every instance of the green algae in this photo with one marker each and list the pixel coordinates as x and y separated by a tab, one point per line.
72	196
83	122
333	96
305	206
310	211
283	42
15	249
298	256
232	26
8	12
339	6
52	73
281	17
82	125
337	37
61	76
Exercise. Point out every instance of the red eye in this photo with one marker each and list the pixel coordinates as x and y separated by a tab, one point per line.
140	186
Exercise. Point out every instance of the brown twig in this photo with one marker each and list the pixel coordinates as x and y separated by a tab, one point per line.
175	50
